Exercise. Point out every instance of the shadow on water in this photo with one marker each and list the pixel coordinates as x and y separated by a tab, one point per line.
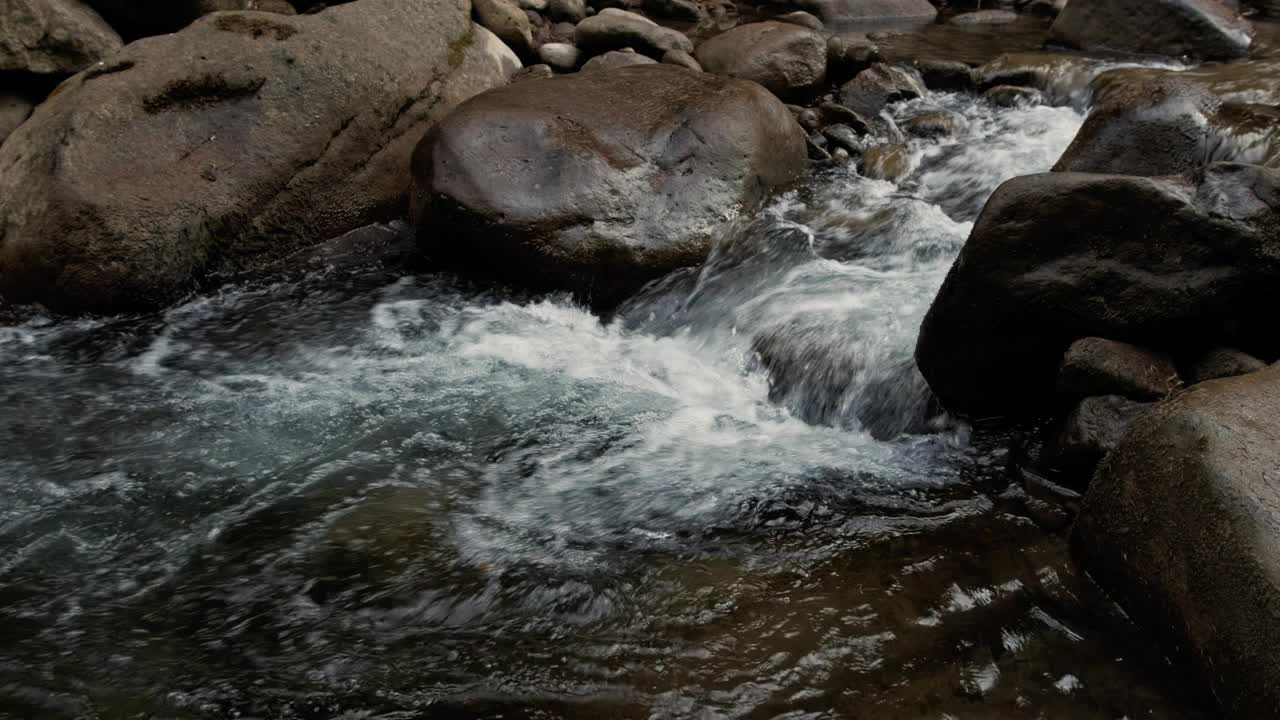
368	495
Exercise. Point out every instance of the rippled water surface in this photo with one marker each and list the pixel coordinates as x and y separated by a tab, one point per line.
371	495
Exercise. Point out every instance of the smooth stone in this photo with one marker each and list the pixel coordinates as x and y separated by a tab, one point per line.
541	71
849	55
562	57
674	9
788	60
599	182
878	86
1098	366
572	11
616	59
945	75
801	18
843	136
612	29
835	113
506	20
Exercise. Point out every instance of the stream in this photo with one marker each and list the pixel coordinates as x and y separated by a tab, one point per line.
371	494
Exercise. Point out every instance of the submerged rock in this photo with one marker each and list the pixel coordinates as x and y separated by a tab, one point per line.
788	60
1208	29
1054	257
850	11
1180	525
599	182
1008	96
935	124
889	161
142	179
53	37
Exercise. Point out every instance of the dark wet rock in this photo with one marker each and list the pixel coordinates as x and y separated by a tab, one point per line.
535	6
849	55
136	18
1148	121
14	111
599	182
682	59
843	136
935	124
1008	96
1097	366
810	119
572	11
945	75
613	29
617	59
878	86
816	145
985	17
834	113
1055	257
889	162
1199	28
562	57
504	19
674	9
801	18
1054	73
541	71
53	37
851	11
1091	431
1180	526
788	60
280	133
1222	363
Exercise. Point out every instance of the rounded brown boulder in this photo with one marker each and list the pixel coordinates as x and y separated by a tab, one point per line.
233	143
1181	526
599	182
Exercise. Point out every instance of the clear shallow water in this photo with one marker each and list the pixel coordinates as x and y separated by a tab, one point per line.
369	495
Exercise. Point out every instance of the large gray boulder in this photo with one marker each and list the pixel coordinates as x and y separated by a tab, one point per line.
1181	525
599	182
1209	29
52	37
1153	121
1159	262
789	60
146	177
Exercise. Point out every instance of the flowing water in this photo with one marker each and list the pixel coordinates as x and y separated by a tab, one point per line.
361	494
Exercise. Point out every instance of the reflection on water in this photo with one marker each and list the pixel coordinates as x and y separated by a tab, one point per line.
363	495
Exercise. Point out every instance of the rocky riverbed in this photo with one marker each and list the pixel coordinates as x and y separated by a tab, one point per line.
674	358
